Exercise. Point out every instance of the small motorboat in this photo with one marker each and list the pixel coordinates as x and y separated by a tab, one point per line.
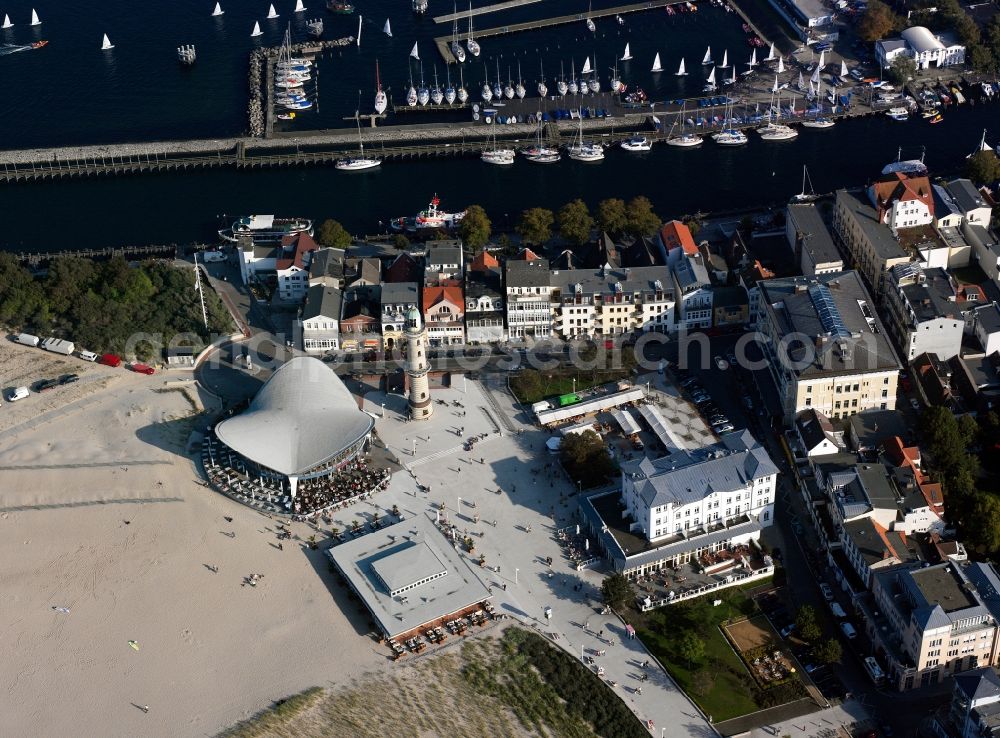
898	113
39	44
936	119
637	143
820	123
286	116
503	157
334	6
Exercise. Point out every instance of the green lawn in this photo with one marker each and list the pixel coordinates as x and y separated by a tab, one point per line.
531	386
731	692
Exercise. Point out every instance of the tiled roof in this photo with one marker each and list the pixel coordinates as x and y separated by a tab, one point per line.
449	293
900	187
484	262
294	249
677	235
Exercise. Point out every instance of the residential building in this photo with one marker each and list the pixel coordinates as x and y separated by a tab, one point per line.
816	433
693	292
870	547
986	249
319	321
976	208
986	325
974	710
919	44
825	345
608	302
444	262
396	299
403	268
360	322
923	314
327	267
811	241
484	314
527	290
902	200
676	240
947	213
284	265
730	307
930	622
360	274
868	430
749	277
869	242
444	314
810	19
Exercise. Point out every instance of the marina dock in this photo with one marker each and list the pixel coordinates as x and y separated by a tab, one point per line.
483	10
442	41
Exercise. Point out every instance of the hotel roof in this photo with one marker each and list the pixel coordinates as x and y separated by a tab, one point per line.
396	558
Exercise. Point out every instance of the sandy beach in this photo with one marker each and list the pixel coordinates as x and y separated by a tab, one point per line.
101	513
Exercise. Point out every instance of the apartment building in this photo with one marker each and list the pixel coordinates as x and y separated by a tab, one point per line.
395	300
974	710
527	290
443	262
870	242
811	241
286	263
444	314
902	201
693	292
923	313
825	345
608	302
319	323
360	320
327	267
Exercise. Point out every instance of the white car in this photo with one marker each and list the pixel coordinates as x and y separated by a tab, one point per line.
827	592
18	393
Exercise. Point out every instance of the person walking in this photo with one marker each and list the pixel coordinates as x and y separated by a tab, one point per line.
144	708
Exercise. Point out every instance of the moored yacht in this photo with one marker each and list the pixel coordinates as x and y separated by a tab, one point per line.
730	137
821	122
777	132
266	228
685	140
637	143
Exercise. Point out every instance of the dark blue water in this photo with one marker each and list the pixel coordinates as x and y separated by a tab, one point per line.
72	92
187	208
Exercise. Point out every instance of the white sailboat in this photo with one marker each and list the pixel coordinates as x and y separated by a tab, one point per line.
843	69
543	89
107	43
708	57
684	140
753	59
423	94
680	72
781	65
725	60
627	55
585	150
34	18
496	155
573	87
538	152
6	22
594	83
415	52
436	94
456	46
770	54
519	89
807	193
561	87
256	31
461	92
218	10
359	162
387	29
732	80
508	89
586	66
411	93
381	101
450	93
822	60
590	23
772	131
710	85
657	67
360	18
470	43
729	136
299	7
271	12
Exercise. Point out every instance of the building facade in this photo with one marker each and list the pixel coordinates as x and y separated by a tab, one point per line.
444	315
923	313
871	245
396	299
528	291
319	323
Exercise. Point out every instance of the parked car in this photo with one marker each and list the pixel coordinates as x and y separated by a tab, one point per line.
46	384
827	591
18	393
725	428
849	630
86	355
788	630
142	368
837	610
69	378
110	360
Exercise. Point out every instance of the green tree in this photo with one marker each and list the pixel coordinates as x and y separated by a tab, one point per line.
902	69
982	58
527	385
694	226
611	216
808	624
877	22
575	222
983	168
535	226
586	459
475	228
616	591
332	234
829	651
642	221
702	681
690	648
983	527
400	241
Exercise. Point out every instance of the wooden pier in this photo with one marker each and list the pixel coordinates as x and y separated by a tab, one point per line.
442	41
36	260
483	10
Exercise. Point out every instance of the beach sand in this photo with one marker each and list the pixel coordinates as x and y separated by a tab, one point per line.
101	513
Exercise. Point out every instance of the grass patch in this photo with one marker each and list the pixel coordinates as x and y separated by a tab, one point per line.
516	686
718	681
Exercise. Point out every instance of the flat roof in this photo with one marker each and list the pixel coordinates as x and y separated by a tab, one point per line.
942	586
398	556
816	239
856	203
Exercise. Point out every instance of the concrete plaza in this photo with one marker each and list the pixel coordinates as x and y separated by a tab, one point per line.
517	530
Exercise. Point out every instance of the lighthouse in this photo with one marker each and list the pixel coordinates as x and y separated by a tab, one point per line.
417	366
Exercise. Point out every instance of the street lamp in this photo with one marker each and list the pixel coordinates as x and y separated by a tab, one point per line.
383	409
458	507
515	575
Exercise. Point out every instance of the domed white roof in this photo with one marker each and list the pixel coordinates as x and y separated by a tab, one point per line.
302	417
920	39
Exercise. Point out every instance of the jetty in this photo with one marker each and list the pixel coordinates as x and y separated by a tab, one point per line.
560	20
40	260
483	10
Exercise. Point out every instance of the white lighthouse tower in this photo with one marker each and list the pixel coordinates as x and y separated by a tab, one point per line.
421	407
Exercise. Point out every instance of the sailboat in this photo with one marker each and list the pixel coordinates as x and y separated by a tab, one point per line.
710	85
423	94
415	52
6	22
627	55
805	196
680	72
729	136
561	87
34	18
843	69
107	45
436	95
455	46
573	87
256	32
501	157
487	93
387	29
585	150
470	43
822	60
360	18
299	7
543	89
497	89
820	122
537	152
461	92
590	23
657	67
271	12
616	83
708	57
594	83
772	131
449	91
411	93
508	89
586	66
684	140
519	89
218	10
725	60
770	54
753	59
781	65
359	162
381	101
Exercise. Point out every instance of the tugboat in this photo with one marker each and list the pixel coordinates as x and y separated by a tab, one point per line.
428	219
339	8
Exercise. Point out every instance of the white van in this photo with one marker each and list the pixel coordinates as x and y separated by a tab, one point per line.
87	355
26	339
874	670
837	610
18	393
849	630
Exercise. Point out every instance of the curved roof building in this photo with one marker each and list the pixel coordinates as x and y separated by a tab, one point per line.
302	423
921	40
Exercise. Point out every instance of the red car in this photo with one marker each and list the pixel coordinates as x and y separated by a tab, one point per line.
110	360
142	368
